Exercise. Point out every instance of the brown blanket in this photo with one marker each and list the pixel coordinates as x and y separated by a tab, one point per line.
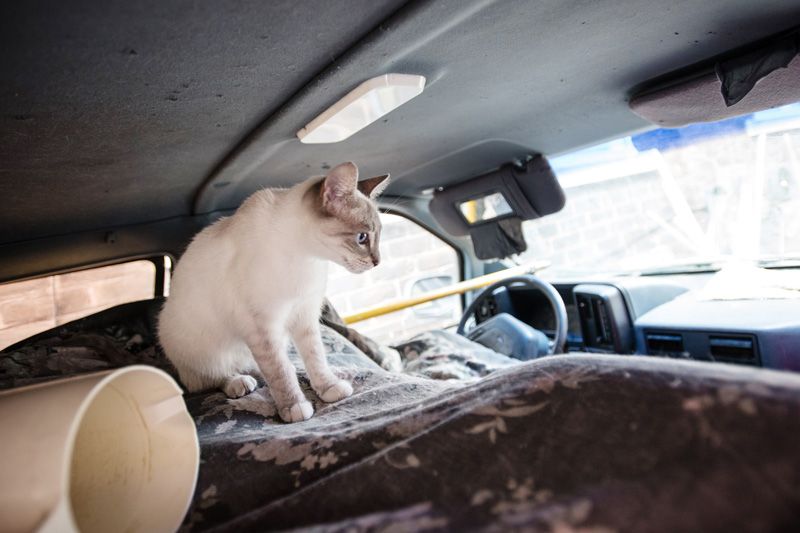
564	443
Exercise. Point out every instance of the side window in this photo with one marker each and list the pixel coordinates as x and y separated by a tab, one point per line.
32	306
413	261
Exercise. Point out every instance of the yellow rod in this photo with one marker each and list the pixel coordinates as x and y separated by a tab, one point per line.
457	288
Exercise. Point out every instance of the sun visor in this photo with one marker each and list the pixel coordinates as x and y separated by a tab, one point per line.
765	77
491	207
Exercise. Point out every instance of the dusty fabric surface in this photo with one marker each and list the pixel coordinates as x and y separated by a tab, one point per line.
433	354
441	354
386	356
566	443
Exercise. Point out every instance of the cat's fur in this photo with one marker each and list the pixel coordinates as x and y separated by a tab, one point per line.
250	281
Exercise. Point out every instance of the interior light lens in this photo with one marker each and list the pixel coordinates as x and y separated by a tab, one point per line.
361	107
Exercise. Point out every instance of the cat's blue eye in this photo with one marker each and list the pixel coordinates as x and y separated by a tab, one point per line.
362	238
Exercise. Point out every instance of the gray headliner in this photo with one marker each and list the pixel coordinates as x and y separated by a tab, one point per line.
114	112
94	136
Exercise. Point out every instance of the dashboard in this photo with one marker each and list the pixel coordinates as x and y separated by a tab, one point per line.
532	307
661	316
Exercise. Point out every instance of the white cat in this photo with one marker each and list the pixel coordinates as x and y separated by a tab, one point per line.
248	282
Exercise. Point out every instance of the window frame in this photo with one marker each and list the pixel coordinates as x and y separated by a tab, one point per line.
439	235
430	232
159	282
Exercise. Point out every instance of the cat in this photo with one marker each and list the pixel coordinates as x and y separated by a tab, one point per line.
249	281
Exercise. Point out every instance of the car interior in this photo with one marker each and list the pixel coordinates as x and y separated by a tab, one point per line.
624	346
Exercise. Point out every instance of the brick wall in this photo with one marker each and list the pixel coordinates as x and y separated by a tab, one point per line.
408	253
29	307
687	202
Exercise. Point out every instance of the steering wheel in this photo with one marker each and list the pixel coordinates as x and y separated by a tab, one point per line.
556	302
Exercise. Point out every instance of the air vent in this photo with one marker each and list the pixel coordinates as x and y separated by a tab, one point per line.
733	348
670	344
605	322
604	333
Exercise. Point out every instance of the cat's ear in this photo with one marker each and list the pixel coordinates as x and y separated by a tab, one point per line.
340	183
373	187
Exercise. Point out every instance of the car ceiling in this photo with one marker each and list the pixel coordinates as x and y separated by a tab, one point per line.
120	112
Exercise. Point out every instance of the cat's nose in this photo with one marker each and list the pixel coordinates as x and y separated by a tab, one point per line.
375	260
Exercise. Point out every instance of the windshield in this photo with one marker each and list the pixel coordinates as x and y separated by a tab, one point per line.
671	199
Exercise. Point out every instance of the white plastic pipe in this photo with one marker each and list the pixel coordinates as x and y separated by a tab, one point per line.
113	451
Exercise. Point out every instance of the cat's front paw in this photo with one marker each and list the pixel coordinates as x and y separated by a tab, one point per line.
297	412
338	391
239	386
